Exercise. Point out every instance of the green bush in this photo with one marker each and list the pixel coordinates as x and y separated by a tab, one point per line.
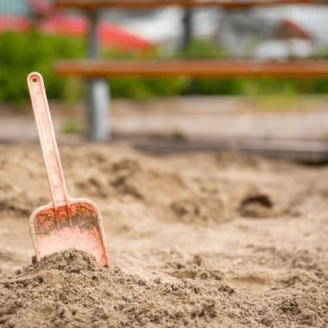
146	88
202	48
23	53
272	86
270	93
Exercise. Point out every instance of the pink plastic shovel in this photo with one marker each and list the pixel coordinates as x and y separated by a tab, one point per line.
65	222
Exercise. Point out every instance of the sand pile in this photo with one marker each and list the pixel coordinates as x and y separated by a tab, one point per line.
197	240
70	289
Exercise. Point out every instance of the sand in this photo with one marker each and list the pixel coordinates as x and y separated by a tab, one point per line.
197	240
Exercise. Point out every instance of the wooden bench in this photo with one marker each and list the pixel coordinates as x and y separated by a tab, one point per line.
95	71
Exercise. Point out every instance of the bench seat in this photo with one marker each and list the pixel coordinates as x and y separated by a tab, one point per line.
192	68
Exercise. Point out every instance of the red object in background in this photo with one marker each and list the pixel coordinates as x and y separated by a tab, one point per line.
18	24
110	35
41	7
289	29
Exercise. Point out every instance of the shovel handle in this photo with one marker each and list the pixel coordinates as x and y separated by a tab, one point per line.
48	142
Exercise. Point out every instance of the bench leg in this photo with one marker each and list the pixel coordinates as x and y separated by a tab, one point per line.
97	89
98	109
187	31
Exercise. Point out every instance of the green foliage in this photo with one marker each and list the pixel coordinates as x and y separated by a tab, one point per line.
271	94
23	53
146	88
318	86
202	48
73	90
73	126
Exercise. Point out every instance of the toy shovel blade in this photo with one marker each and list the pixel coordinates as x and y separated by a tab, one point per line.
65	222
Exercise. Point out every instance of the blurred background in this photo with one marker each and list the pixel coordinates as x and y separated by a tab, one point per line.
33	36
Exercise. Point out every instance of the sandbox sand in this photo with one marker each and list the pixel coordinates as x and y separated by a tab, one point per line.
198	240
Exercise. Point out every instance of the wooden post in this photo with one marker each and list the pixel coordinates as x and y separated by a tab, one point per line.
187	31
97	89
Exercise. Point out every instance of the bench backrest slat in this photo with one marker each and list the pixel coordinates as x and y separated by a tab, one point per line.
228	5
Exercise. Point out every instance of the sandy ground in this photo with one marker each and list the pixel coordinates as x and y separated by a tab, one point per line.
197	240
